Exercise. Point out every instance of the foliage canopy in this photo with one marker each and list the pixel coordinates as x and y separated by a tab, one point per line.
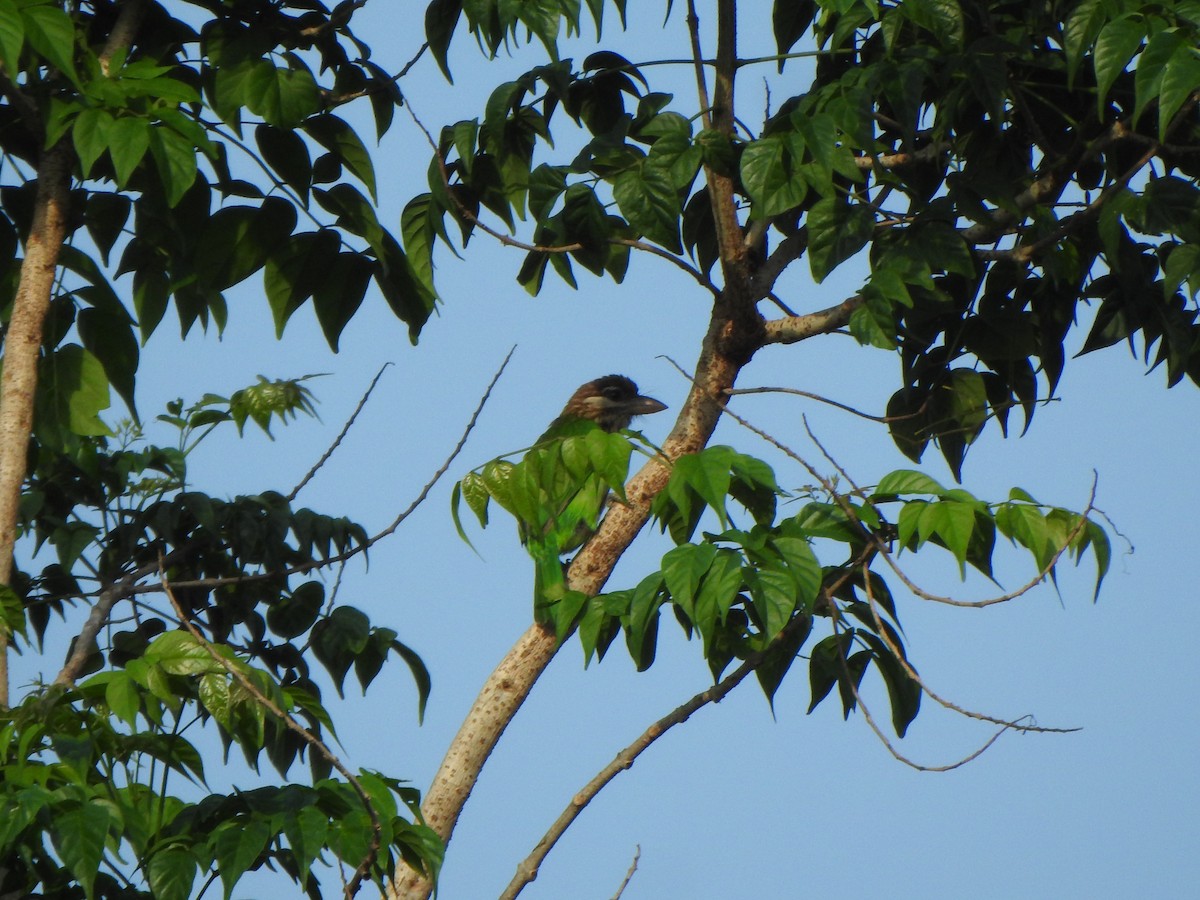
1006	173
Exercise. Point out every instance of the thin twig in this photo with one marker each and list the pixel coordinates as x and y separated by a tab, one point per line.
820	399
637	854
883	738
886	552
341	436
900	658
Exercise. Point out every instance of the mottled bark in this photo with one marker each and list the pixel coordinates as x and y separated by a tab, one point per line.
22	346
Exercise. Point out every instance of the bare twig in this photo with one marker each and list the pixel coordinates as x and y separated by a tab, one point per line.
733	392
900	658
886	741
637	855
366	545
341	436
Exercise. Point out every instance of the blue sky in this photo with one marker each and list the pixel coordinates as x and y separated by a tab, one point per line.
736	804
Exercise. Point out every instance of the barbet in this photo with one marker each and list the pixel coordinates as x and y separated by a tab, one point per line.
611	403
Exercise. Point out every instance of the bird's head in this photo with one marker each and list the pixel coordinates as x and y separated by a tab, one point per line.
611	402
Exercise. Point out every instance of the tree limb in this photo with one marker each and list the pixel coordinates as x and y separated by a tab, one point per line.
791	329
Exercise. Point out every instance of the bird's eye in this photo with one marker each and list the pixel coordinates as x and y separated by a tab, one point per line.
612	393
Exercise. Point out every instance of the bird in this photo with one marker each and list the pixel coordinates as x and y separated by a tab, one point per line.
609	403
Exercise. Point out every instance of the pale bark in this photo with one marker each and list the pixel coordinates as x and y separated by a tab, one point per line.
22	347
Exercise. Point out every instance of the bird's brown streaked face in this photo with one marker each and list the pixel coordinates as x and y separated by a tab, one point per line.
611	402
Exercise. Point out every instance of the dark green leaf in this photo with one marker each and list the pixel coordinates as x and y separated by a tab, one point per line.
111	340
12	35
836	231
647	198
789	20
171	872
340	139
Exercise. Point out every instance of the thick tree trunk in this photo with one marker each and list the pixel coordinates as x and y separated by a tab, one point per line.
22	347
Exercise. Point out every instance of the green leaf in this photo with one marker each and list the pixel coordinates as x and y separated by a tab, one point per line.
178	653
418	229
1180	79
953	522
292	273
12	35
285	152
90	135
340	294
682	569
770	170
170	873
904	693
647	197
123	697
79	835
718	589
1115	46
773	592
1152	64
803	567
283	97
340	139
291	616
642	630
72	392
337	639
236	847
836	231
51	33
441	17
129	139
789	20
908	481
779	658
825	666
175	158
105	216
111	340
677	155
1080	30
420	675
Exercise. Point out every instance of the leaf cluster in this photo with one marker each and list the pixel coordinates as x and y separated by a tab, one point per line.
557	492
117	517
756	593
158	137
81	772
1000	168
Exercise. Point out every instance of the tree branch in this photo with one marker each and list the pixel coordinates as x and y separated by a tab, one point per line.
792	329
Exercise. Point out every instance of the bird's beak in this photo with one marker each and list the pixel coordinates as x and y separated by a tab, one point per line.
643	406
